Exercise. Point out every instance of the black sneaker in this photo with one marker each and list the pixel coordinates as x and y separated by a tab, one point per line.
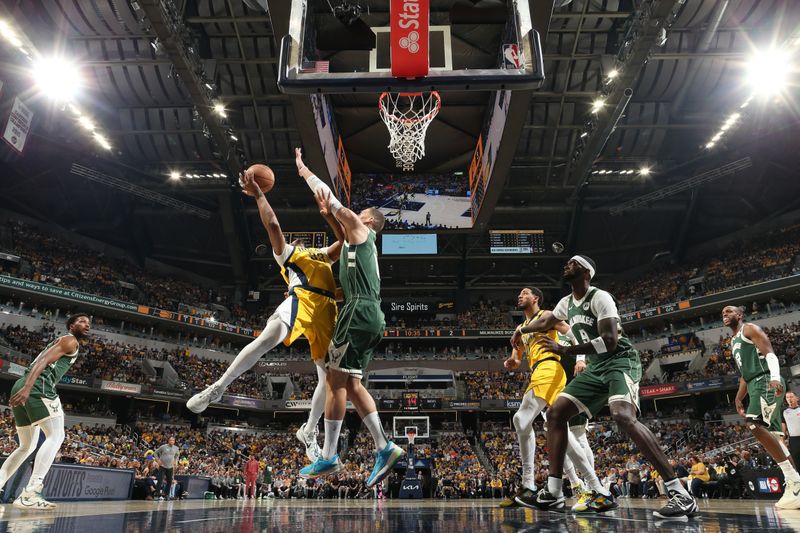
679	506
526	498
548	502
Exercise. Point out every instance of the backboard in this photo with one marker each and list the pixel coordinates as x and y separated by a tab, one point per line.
346	46
400	424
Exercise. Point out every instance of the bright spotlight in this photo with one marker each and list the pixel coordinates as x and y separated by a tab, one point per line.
613	74
102	141
710	144
597	105
86	122
174	175
644	171
767	71
57	78
219	109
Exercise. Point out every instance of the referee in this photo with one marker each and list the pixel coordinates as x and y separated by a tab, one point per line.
166	455
791	426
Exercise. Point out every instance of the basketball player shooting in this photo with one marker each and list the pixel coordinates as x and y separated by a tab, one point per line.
358	331
309	309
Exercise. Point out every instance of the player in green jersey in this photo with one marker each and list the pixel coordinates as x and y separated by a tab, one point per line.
358	331
761	381
611	378
36	405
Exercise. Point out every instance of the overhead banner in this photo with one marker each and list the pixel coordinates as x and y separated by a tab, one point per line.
19	125
119	386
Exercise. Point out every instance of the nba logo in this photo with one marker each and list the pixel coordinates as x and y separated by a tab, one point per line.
511	56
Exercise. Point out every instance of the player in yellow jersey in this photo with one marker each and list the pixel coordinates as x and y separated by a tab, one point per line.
548	379
309	309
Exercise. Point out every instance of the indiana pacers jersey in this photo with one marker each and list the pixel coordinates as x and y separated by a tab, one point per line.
310	269
547	375
310	309
535	351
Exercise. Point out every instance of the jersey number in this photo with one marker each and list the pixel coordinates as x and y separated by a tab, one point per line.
584	336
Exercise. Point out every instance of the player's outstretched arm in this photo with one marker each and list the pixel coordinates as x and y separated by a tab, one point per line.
265	212
65	345
546	322
335	249
764	346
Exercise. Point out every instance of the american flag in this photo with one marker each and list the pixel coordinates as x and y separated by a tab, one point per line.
315	67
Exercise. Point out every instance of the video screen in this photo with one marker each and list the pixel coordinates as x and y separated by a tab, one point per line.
415	201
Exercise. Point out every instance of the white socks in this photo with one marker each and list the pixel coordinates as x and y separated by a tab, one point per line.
676	486
317	401
28	438
581	462
529	409
373	423
587	448
555	486
54	435
274	333
788	471
332	430
572	475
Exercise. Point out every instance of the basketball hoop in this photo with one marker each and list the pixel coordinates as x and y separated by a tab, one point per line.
408	115
411	435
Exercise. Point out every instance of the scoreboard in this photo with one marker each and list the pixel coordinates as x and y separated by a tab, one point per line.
516	241
312	239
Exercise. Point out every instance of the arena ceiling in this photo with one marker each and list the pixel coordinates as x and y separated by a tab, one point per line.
151	98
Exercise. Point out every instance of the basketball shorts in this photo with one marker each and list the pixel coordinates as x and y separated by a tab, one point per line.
358	331
547	381
36	409
578	422
311	315
612	380
765	407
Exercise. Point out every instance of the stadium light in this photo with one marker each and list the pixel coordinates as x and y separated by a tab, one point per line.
102	141
710	144
174	175
219	109
613	74
597	105
767	71
86	122
57	78
644	171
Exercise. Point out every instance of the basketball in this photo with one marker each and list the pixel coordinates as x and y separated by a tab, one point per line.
263	176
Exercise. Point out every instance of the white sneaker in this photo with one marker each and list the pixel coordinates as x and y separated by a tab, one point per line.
200	401
791	496
313	451
33	500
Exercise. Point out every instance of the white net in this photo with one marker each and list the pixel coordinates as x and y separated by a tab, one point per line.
408	115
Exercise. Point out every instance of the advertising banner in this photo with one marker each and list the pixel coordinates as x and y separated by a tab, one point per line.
242	401
67	482
52	290
658	390
464	404
119	386
168	393
75	380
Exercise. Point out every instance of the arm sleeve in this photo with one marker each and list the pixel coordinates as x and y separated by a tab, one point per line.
317	184
603	306
281	259
560	312
325	251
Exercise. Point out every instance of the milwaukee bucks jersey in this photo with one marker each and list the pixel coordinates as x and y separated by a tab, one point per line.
359	274
582	318
45	384
751	364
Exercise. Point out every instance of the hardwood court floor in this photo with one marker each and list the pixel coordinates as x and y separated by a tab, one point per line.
203	516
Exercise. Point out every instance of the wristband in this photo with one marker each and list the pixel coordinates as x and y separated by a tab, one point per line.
599	345
774	367
580	358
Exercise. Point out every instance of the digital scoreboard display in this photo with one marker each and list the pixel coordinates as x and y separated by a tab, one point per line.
516	241
311	239
410	401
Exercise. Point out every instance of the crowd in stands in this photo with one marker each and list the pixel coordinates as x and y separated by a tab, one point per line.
749	261
481	384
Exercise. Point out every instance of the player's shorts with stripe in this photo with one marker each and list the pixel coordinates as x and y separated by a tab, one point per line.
765	407
36	409
312	315
547	380
358	331
615	379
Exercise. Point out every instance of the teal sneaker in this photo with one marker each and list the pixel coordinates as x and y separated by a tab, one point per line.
384	462
321	467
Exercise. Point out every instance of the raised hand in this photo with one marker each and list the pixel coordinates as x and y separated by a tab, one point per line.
248	185
323	202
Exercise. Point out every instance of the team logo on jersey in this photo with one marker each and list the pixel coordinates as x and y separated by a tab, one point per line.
767	409
586	306
336	353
